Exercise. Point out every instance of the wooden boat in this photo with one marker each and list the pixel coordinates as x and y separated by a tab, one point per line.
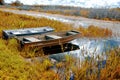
44	38
7	34
48	39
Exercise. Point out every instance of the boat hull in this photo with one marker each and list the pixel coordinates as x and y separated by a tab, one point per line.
52	42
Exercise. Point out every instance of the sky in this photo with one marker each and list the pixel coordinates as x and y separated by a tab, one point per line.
81	3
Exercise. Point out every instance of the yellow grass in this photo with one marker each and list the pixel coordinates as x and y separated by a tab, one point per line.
95	31
111	71
14	67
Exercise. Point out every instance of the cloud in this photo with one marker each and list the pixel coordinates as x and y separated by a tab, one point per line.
81	3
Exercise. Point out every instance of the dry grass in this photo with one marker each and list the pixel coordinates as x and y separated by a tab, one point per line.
89	69
94	31
14	67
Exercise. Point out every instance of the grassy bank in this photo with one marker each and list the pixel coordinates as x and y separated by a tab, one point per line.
14	67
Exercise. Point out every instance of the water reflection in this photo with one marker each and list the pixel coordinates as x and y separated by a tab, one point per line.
89	48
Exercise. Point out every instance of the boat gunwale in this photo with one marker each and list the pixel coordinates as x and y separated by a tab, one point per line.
52	41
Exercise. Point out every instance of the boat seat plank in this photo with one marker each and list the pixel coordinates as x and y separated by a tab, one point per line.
15	33
52	37
31	39
71	33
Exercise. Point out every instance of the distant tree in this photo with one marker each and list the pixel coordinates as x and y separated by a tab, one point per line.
1	2
16	3
105	13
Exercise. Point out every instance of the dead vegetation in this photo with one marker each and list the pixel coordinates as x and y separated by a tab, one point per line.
13	66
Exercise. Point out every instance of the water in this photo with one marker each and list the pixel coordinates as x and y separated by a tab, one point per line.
89	48
53	17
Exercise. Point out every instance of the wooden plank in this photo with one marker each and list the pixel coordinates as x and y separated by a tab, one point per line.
31	39
71	33
52	37
26	31
15	33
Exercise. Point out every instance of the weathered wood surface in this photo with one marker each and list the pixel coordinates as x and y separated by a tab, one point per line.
63	38
26	31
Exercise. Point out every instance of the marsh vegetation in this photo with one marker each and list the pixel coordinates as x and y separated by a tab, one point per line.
13	65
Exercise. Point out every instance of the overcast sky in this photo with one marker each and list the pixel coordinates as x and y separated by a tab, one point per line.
82	3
